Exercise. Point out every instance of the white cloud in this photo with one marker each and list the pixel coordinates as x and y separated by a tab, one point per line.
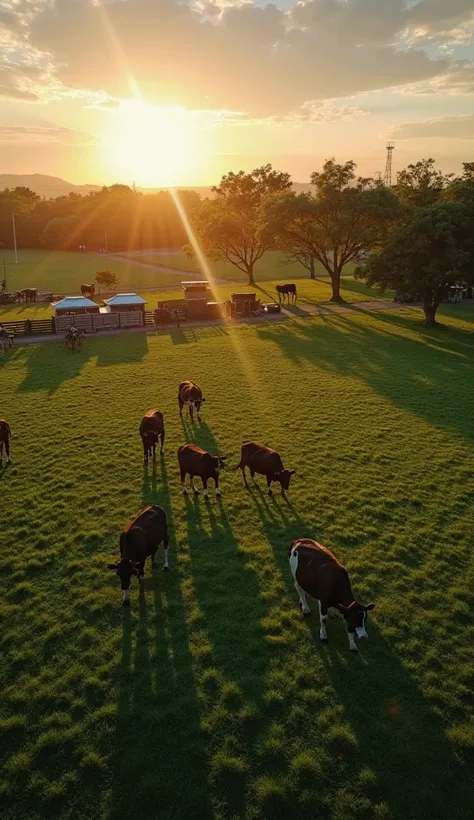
216	54
37	134
460	128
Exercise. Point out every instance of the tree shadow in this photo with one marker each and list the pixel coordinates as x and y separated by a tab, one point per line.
424	373
128	348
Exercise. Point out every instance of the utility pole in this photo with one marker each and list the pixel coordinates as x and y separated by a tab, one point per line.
2	246
14	238
105	237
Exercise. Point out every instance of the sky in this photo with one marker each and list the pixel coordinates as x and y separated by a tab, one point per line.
176	92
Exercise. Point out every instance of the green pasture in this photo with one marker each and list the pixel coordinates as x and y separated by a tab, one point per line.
211	698
309	292
270	267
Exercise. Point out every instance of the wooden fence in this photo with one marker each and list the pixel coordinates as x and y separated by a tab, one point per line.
91	323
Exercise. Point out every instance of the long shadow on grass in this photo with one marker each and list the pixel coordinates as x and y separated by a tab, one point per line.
159	755
125	348
429	374
51	364
400	738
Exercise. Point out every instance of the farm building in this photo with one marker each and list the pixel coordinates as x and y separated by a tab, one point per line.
74	306
123	302
243	304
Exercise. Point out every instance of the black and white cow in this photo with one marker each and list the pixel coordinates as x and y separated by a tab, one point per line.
190	396
138	540
319	574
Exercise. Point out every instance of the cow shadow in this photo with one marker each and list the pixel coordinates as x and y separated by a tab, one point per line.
159	758
199	432
152	493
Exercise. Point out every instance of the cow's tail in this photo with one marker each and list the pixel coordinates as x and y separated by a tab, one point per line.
237	467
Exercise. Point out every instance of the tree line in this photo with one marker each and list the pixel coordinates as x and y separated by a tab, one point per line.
416	238
115	216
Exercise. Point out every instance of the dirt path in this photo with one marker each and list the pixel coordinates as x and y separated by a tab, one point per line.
162	269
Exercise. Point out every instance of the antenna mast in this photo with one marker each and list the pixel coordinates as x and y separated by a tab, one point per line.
388	165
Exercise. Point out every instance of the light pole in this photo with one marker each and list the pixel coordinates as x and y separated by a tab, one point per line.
2	246
14	238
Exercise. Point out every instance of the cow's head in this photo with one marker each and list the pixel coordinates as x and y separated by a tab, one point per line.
125	570
220	461
284	478
356	616
149	439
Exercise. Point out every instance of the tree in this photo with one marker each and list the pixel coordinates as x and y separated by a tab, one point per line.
228	226
421	185
345	219
107	279
423	258
307	260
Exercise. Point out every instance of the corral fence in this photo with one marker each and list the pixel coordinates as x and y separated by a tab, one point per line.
91	323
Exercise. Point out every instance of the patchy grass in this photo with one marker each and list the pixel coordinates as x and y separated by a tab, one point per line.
212	697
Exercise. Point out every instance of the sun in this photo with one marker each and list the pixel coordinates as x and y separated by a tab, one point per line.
152	146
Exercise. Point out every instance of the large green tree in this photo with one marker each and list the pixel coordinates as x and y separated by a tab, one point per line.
424	257
343	220
227	227
420	184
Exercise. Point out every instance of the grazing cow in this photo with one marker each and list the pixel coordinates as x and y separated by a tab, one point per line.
287	290
319	574
139	539
151	428
196	462
6	338
264	461
28	294
5	436
88	290
190	394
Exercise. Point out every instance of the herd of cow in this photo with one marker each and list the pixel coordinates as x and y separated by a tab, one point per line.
315	570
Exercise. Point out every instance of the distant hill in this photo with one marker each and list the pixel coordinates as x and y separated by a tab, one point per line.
52	187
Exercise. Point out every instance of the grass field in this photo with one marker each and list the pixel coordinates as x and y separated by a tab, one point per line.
211	697
268	269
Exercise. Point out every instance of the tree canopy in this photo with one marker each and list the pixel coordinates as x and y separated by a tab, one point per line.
344	219
228	226
420	184
424	257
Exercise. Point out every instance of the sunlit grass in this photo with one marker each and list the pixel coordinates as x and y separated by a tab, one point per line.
212	698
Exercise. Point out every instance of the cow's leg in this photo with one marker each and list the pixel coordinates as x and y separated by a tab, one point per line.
183	481
191	412
181	405
204	484
7	449
166	543
244	476
352	643
301	593
269	485
154	451
145	453
323	619
216	479
1	453
302	596
162	441
196	491
252	475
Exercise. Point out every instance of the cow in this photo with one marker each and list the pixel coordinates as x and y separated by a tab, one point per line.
6	338
190	395
264	461
318	573
138	540
5	436
28	294
196	462
88	290
151	428
287	290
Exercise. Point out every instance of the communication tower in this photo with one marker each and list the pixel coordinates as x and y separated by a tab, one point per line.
388	165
